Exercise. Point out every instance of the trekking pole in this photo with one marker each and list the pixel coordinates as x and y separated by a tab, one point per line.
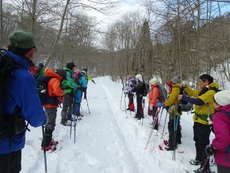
162	109
45	160
205	164
176	120
164	125
125	104
87	105
151	132
121	98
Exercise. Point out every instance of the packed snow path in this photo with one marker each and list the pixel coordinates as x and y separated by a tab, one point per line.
108	140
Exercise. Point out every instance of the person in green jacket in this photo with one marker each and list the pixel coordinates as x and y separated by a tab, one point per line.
69	87
41	69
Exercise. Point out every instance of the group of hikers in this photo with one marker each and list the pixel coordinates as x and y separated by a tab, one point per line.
211	113
20	100
20	103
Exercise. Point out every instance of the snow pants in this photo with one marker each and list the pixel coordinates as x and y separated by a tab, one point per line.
131	104
174	132
139	113
201	134
51	115
66	110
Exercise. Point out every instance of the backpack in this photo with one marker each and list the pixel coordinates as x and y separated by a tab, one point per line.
35	72
42	90
146	88
162	93
10	125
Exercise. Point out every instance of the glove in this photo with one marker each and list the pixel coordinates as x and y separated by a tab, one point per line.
93	81
209	150
60	99
151	107
160	105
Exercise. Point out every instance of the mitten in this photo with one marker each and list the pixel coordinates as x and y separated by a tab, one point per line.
160	105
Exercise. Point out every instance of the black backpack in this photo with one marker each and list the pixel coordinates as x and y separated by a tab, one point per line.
42	90
185	106
146	88
14	124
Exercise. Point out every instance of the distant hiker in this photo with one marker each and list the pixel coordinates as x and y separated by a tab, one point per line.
88	77
128	89
153	100
69	95
204	109
54	91
81	81
20	101
139	88
220	145
41	69
174	114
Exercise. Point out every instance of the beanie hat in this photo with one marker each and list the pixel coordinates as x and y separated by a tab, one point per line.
139	76
41	65
21	39
70	65
153	81
176	80
222	97
61	72
204	77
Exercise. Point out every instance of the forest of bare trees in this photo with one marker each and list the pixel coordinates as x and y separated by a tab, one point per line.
169	37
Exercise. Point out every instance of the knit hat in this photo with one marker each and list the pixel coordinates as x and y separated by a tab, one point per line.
22	39
40	65
70	65
222	97
129	77
176	80
153	81
139	76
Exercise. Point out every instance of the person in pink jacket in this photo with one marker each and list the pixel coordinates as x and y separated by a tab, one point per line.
153	100
221	124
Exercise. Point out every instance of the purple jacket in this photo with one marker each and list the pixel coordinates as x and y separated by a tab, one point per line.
221	125
129	86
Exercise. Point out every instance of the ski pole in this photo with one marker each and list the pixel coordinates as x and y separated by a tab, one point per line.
205	163
87	105
164	125
45	160
162	109
151	132
121	98
176	120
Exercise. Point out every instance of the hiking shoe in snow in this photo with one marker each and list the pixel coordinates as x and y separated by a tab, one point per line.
204	171
166	142
67	123
195	162
47	148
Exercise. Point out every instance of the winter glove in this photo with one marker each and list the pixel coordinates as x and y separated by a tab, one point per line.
209	150
93	81
160	105
151	107
60	99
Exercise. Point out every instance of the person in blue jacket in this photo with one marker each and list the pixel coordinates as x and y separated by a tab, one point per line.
23	95
82	85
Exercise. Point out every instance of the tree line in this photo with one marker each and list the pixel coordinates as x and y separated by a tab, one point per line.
168	37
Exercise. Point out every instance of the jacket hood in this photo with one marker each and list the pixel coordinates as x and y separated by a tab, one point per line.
51	73
214	84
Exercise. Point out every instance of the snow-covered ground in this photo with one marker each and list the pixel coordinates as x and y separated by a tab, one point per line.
110	140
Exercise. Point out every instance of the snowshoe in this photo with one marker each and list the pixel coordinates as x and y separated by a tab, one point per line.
195	162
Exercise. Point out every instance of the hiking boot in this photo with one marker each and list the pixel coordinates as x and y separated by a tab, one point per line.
169	149
47	148
195	162
204	171
132	110
67	123
128	109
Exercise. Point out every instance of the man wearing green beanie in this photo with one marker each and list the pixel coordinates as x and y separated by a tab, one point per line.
22	101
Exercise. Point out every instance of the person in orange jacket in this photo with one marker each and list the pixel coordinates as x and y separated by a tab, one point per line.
54	92
153	97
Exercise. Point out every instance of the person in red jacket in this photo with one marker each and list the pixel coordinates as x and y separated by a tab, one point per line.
153	97
54	91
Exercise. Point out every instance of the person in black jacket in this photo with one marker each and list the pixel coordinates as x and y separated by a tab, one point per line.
139	90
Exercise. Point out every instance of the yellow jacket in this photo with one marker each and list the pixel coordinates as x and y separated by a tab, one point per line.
172	100
202	112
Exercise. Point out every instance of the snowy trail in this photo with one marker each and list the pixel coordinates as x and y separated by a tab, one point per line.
108	140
